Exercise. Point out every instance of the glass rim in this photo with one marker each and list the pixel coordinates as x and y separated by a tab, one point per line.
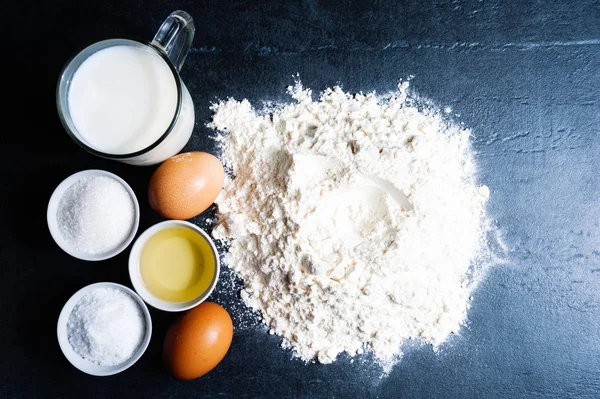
69	129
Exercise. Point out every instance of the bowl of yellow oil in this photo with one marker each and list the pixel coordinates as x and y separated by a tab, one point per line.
174	265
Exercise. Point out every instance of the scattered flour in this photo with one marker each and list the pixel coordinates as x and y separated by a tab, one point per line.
354	221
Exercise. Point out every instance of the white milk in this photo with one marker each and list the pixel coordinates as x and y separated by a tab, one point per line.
122	99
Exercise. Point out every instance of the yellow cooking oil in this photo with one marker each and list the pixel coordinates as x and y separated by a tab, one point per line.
177	264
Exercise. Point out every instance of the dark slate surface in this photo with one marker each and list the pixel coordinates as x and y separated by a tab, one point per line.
524	75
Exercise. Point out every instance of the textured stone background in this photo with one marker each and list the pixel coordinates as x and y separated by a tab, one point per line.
524	75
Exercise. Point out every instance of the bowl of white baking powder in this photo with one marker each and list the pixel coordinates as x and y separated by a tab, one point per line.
104	328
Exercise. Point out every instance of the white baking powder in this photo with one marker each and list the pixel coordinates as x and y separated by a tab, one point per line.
354	221
106	327
96	214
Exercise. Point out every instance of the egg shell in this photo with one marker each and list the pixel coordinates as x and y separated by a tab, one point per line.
198	341
186	185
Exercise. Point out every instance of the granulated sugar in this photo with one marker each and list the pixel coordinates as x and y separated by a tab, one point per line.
96	214
354	221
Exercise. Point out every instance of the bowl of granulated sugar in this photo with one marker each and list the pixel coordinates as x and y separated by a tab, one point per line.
93	215
104	328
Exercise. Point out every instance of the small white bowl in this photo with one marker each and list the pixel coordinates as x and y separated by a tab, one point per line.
51	215
83	364
136	278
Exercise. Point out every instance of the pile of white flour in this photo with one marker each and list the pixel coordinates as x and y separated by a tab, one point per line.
353	220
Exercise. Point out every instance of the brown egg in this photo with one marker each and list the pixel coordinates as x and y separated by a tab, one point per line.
198	341
186	185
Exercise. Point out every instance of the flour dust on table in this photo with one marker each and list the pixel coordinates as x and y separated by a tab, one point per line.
355	221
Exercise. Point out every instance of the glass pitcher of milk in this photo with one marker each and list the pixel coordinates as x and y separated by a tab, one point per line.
123	99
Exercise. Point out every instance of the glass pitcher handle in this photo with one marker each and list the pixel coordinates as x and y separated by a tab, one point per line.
174	37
